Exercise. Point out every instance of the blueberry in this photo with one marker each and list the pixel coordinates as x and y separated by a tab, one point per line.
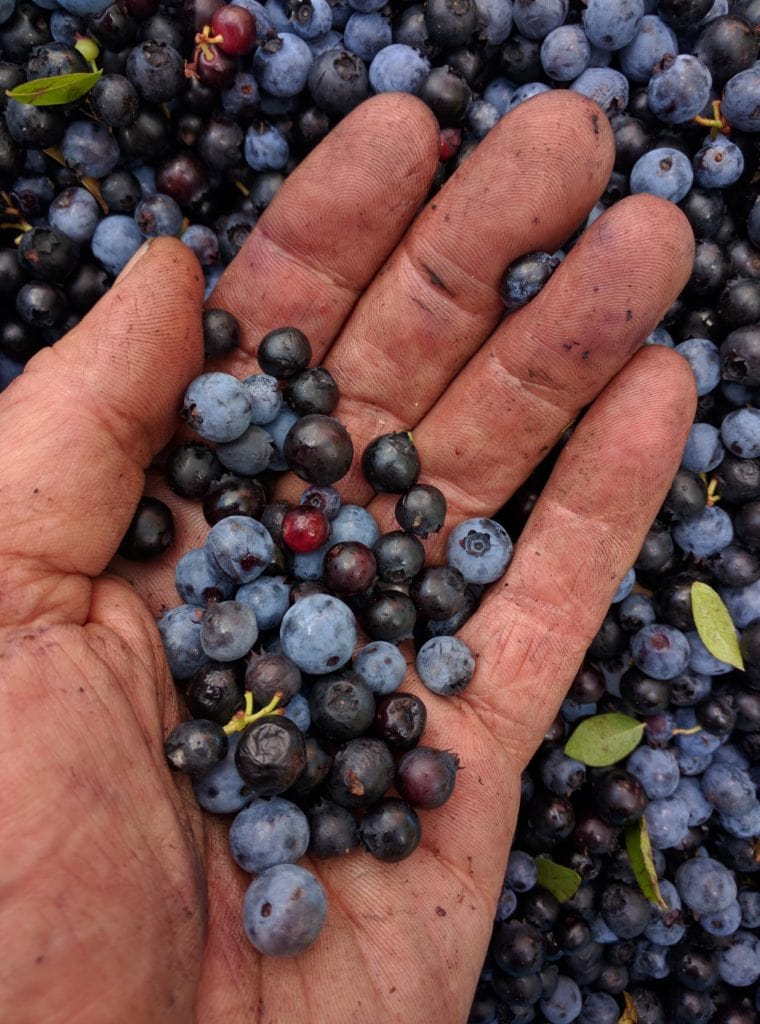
75	213
332	830
266	398
525	278
318	633
268	832
663	172
425	777
535	19
318	449
605	86
158	215
217	406
400	720
653	39
381	665
361	773
268	596
367	34
704	450
271	754
705	885
739	106
445	665
250	453
284	910
228	630
705	534
739	960
265	148
196	746
565	53
282	64
339	81
718	164
398	68
221	790
180	630
667	821
199	580
740	432
390	830
657	770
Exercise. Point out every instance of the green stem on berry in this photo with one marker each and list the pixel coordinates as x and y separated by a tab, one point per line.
687	732
241	719
717	123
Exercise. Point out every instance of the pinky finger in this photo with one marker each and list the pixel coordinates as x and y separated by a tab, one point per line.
533	630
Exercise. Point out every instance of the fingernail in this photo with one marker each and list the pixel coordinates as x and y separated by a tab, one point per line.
128	267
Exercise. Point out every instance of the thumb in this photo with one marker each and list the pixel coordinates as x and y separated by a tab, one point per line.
81	425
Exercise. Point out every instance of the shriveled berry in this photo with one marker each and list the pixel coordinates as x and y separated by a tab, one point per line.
342	706
215	692
361	773
195	747
271	754
400	720
271	674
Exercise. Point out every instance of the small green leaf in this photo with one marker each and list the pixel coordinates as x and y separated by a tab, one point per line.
629	1014
604	739
51	92
716	630
639	847
561	882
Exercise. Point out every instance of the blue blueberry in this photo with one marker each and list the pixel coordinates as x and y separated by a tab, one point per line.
565	1002
660	336
739	106
115	241
180	631
565	53
204	243
242	100
269	597
624	587
398	68
689	789
705	534
701	661
743	603
282	64
445	664
354	523
679	88
722	922
527	92
665	928
728	788
297	710
703	450
312	20
331	40
284	910
612	24
704	359
661	651
667	821
481	117
705	885
217	406
744	825
266	397
480	549
268	832
75	213
494	21
650	960
498	93
656	770
249	454
159	215
279	428
382	666
561	774
739	961
265	148
537	18
605	86
653	39
522	873
199	580
663	172
367	34
507	904
749	903
241	547
718	164
318	633
228	631
311	564
740	431
222	790
599	1008
84	7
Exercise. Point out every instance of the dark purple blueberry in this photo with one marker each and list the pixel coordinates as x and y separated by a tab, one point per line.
342	706
215	692
150	533
318	764
619	797
332	830
271	674
390	463
389	615
400	556
447	94
318	449
421	510
114	99
588	685
221	333
284	352
438	592
362	772
47	254
517	948
270	755
349	568
194	747
390	830
312	391
400	720
425	777
191	469
233	496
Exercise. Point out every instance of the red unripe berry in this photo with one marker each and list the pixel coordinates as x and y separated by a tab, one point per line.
237	27
215	68
304	529
450	140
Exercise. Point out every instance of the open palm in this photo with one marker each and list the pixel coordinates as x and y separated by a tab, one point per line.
119	900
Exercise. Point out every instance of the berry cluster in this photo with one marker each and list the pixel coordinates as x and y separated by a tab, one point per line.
295	730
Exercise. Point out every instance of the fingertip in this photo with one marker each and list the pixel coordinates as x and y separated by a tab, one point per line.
668	374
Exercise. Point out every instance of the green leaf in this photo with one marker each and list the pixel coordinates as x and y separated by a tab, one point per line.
716	630
639	847
561	882
51	92
629	1014
602	740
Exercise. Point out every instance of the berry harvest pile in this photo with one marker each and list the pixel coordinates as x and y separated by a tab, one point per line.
633	888
294	730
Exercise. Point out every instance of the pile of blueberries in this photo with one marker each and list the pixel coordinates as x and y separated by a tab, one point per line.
201	111
293	729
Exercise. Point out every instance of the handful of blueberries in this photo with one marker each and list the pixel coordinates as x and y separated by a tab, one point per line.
295	731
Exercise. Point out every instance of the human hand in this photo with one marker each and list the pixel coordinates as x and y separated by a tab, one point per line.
120	901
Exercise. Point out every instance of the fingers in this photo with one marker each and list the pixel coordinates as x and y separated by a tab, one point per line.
331	225
533	629
80	426
551	358
527	186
